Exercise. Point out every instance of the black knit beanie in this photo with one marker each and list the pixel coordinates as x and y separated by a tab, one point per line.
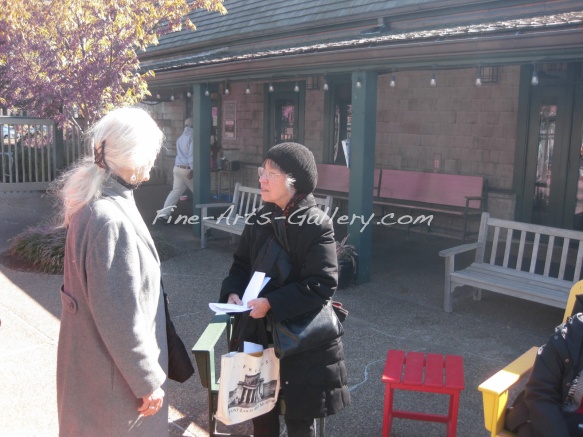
298	162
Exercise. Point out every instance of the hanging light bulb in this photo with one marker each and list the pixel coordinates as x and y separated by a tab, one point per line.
206	91
325	86
478	76
433	81
270	87
297	88
393	82
158	95
227	90
358	83
189	94
172	95
248	89
534	80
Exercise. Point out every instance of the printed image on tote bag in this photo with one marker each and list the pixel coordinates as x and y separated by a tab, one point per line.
248	386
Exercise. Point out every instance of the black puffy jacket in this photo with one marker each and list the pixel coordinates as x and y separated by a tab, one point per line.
314	383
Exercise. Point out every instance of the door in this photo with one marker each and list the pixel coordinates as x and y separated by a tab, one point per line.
553	184
285	114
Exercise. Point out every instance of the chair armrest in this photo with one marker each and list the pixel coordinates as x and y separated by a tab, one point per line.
459	249
204	350
495	390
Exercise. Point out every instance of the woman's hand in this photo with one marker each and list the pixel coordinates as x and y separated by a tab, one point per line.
152	402
233	298
259	307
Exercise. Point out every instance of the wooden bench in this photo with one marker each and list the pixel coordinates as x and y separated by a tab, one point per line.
335	180
451	194
209	347
495	390
232	220
526	267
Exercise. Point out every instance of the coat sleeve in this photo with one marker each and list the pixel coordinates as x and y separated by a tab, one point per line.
124	306
543	394
318	276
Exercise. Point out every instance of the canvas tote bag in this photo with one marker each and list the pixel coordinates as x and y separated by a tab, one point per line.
249	382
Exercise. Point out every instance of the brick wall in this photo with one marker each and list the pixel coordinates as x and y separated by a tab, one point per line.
467	129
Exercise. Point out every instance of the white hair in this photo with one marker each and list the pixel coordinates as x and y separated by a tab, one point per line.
128	138
289	180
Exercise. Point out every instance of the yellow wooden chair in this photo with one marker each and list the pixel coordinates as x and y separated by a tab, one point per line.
495	389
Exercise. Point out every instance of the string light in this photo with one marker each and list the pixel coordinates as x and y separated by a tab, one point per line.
227	90
270	87
325	87
433	81
358	84
206	91
248	89
478	76
189	94
393	82
534	80
172	95
297	88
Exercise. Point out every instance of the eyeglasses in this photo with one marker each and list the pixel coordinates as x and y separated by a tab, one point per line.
269	175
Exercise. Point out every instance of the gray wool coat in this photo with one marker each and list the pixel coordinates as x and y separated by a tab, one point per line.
112	342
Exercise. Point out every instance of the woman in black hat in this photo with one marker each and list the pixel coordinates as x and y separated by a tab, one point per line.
303	277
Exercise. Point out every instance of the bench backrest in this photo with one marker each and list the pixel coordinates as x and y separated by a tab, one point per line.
248	199
536	249
336	178
438	188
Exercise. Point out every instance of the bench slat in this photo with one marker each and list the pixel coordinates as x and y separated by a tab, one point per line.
549	257
534	256
564	258
508	246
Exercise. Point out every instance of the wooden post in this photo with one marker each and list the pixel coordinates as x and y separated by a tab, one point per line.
362	159
201	124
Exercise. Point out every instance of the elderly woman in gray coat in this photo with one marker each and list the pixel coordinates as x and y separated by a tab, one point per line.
112	355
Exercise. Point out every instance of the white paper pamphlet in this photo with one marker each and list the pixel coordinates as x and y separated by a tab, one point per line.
253	289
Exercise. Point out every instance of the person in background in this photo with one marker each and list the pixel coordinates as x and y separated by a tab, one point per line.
182	172
304	275
551	404
112	356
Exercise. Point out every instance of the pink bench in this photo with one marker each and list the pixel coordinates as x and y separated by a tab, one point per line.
459	195
452	194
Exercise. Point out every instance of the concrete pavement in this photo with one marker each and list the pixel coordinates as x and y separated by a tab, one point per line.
400	308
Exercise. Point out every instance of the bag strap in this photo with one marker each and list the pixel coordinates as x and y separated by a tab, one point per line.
237	338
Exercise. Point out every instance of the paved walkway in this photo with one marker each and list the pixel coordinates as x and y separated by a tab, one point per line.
401	307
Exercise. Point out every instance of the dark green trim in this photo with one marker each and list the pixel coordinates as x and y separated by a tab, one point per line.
362	159
201	124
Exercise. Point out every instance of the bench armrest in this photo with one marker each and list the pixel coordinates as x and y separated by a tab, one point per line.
213	205
204	350
495	390
474	197
459	249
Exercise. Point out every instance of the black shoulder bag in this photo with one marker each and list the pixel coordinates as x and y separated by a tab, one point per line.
306	331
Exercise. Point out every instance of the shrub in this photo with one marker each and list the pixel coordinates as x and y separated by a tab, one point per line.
42	246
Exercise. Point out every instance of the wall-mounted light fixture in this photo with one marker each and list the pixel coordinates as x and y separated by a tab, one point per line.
534	79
